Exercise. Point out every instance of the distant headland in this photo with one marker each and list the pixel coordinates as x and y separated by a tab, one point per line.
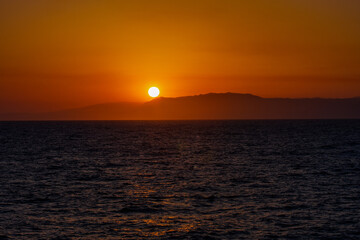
208	106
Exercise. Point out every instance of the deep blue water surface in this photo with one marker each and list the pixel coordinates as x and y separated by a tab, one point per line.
180	179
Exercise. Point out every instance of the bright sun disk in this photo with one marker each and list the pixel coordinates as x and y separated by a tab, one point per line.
154	92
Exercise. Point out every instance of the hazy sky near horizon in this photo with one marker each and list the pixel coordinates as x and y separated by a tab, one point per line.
71	53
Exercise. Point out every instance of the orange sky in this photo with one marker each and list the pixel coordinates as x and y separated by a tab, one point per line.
63	54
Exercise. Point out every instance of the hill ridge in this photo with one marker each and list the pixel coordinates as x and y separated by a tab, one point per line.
208	106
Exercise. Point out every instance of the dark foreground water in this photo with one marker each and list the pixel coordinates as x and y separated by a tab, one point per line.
180	179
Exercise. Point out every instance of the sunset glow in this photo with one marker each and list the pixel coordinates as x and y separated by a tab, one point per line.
56	55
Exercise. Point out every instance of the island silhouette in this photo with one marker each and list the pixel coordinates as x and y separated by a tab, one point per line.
208	106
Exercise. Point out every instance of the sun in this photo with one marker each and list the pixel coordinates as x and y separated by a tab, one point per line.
154	92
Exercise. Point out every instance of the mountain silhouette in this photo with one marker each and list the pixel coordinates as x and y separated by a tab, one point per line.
209	106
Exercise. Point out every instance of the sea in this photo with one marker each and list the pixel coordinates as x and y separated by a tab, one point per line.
246	179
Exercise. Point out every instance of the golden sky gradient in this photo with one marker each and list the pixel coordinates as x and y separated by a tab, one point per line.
63	54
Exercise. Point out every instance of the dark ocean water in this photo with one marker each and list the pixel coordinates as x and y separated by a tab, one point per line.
180	179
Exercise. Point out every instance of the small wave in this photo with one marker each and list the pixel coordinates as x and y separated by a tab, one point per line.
140	209
209	198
